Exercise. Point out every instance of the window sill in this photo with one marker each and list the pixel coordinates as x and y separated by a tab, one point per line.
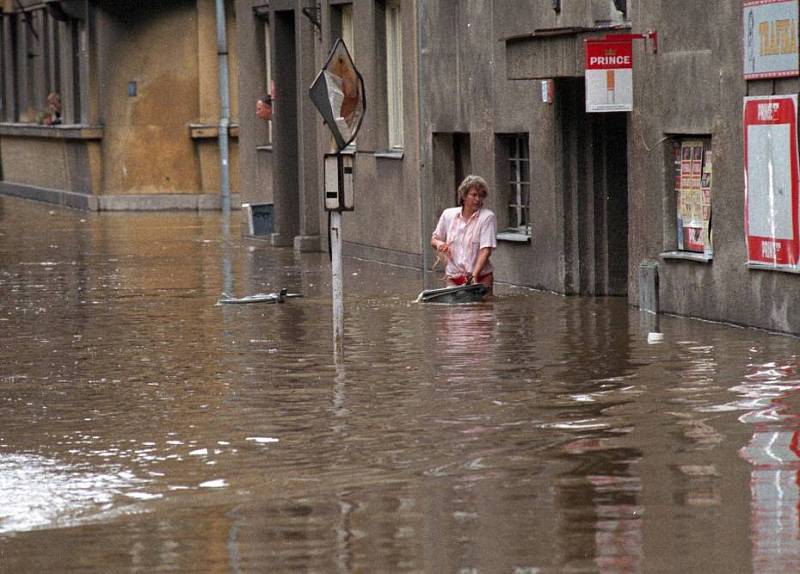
209	131
687	256
61	131
389	154
779	268
513	237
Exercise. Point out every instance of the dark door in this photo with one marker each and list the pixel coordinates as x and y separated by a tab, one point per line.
594	155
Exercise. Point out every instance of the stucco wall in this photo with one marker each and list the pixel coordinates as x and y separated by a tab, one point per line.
169	52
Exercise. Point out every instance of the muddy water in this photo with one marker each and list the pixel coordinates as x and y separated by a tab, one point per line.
145	428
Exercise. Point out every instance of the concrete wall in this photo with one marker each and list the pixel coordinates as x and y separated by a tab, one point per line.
694	85
386	222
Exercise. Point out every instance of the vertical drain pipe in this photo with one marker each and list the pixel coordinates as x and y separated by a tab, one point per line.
225	108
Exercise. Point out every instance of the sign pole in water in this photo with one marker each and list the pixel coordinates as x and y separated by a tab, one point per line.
338	94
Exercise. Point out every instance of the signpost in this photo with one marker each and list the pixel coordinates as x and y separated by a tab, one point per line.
338	94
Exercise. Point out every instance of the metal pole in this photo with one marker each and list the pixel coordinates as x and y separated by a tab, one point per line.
225	108
337	283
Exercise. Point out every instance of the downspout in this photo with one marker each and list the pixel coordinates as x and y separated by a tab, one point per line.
422	147
225	108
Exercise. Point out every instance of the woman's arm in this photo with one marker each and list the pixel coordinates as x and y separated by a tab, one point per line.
480	263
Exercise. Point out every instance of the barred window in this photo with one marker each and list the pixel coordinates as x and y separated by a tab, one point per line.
514	182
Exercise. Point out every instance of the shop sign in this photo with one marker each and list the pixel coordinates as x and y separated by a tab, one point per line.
609	76
770	39
771	180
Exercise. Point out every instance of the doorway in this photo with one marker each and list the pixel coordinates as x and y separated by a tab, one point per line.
594	168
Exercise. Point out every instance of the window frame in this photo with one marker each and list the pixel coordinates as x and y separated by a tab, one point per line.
394	75
514	179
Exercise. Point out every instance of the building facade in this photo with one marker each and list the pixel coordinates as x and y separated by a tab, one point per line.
647	203
137	87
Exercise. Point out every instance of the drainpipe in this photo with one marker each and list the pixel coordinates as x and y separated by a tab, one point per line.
225	108
422	147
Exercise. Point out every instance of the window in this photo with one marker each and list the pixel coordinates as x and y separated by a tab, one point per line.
268	74
342	27
394	74
514	186
692	159
40	68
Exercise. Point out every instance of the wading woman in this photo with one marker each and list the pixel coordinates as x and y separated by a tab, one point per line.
466	236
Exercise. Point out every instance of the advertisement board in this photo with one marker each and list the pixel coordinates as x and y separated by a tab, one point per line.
770	182
770	39
609	76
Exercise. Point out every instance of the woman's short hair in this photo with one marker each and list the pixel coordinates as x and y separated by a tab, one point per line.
469	182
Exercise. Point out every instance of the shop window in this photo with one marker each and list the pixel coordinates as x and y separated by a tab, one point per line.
692	185
514	186
40	68
394	74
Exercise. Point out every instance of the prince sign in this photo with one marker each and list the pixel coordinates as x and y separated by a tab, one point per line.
609	76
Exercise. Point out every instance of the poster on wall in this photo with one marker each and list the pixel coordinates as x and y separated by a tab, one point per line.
770	180
770	39
693	165
609	76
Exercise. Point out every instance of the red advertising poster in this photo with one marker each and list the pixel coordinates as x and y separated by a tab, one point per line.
771	176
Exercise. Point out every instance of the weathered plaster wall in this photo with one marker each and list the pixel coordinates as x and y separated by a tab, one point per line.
147	135
169	50
694	86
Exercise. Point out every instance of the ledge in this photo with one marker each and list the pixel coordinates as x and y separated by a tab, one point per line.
779	268
210	131
63	131
389	154
687	256
513	237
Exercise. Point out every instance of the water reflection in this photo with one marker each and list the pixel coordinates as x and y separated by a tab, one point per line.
772	390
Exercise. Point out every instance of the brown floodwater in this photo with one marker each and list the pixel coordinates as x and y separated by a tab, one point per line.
144	427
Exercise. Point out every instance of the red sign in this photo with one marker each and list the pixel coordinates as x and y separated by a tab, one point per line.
771	180
609	55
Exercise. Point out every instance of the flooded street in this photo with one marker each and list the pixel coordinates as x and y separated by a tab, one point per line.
145	428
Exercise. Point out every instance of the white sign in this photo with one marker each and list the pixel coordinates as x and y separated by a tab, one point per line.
770	39
771	167
609	76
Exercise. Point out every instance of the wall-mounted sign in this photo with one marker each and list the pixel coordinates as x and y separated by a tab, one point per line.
770	39
609	76
771	180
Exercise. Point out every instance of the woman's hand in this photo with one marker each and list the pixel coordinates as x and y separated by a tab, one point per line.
441	246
